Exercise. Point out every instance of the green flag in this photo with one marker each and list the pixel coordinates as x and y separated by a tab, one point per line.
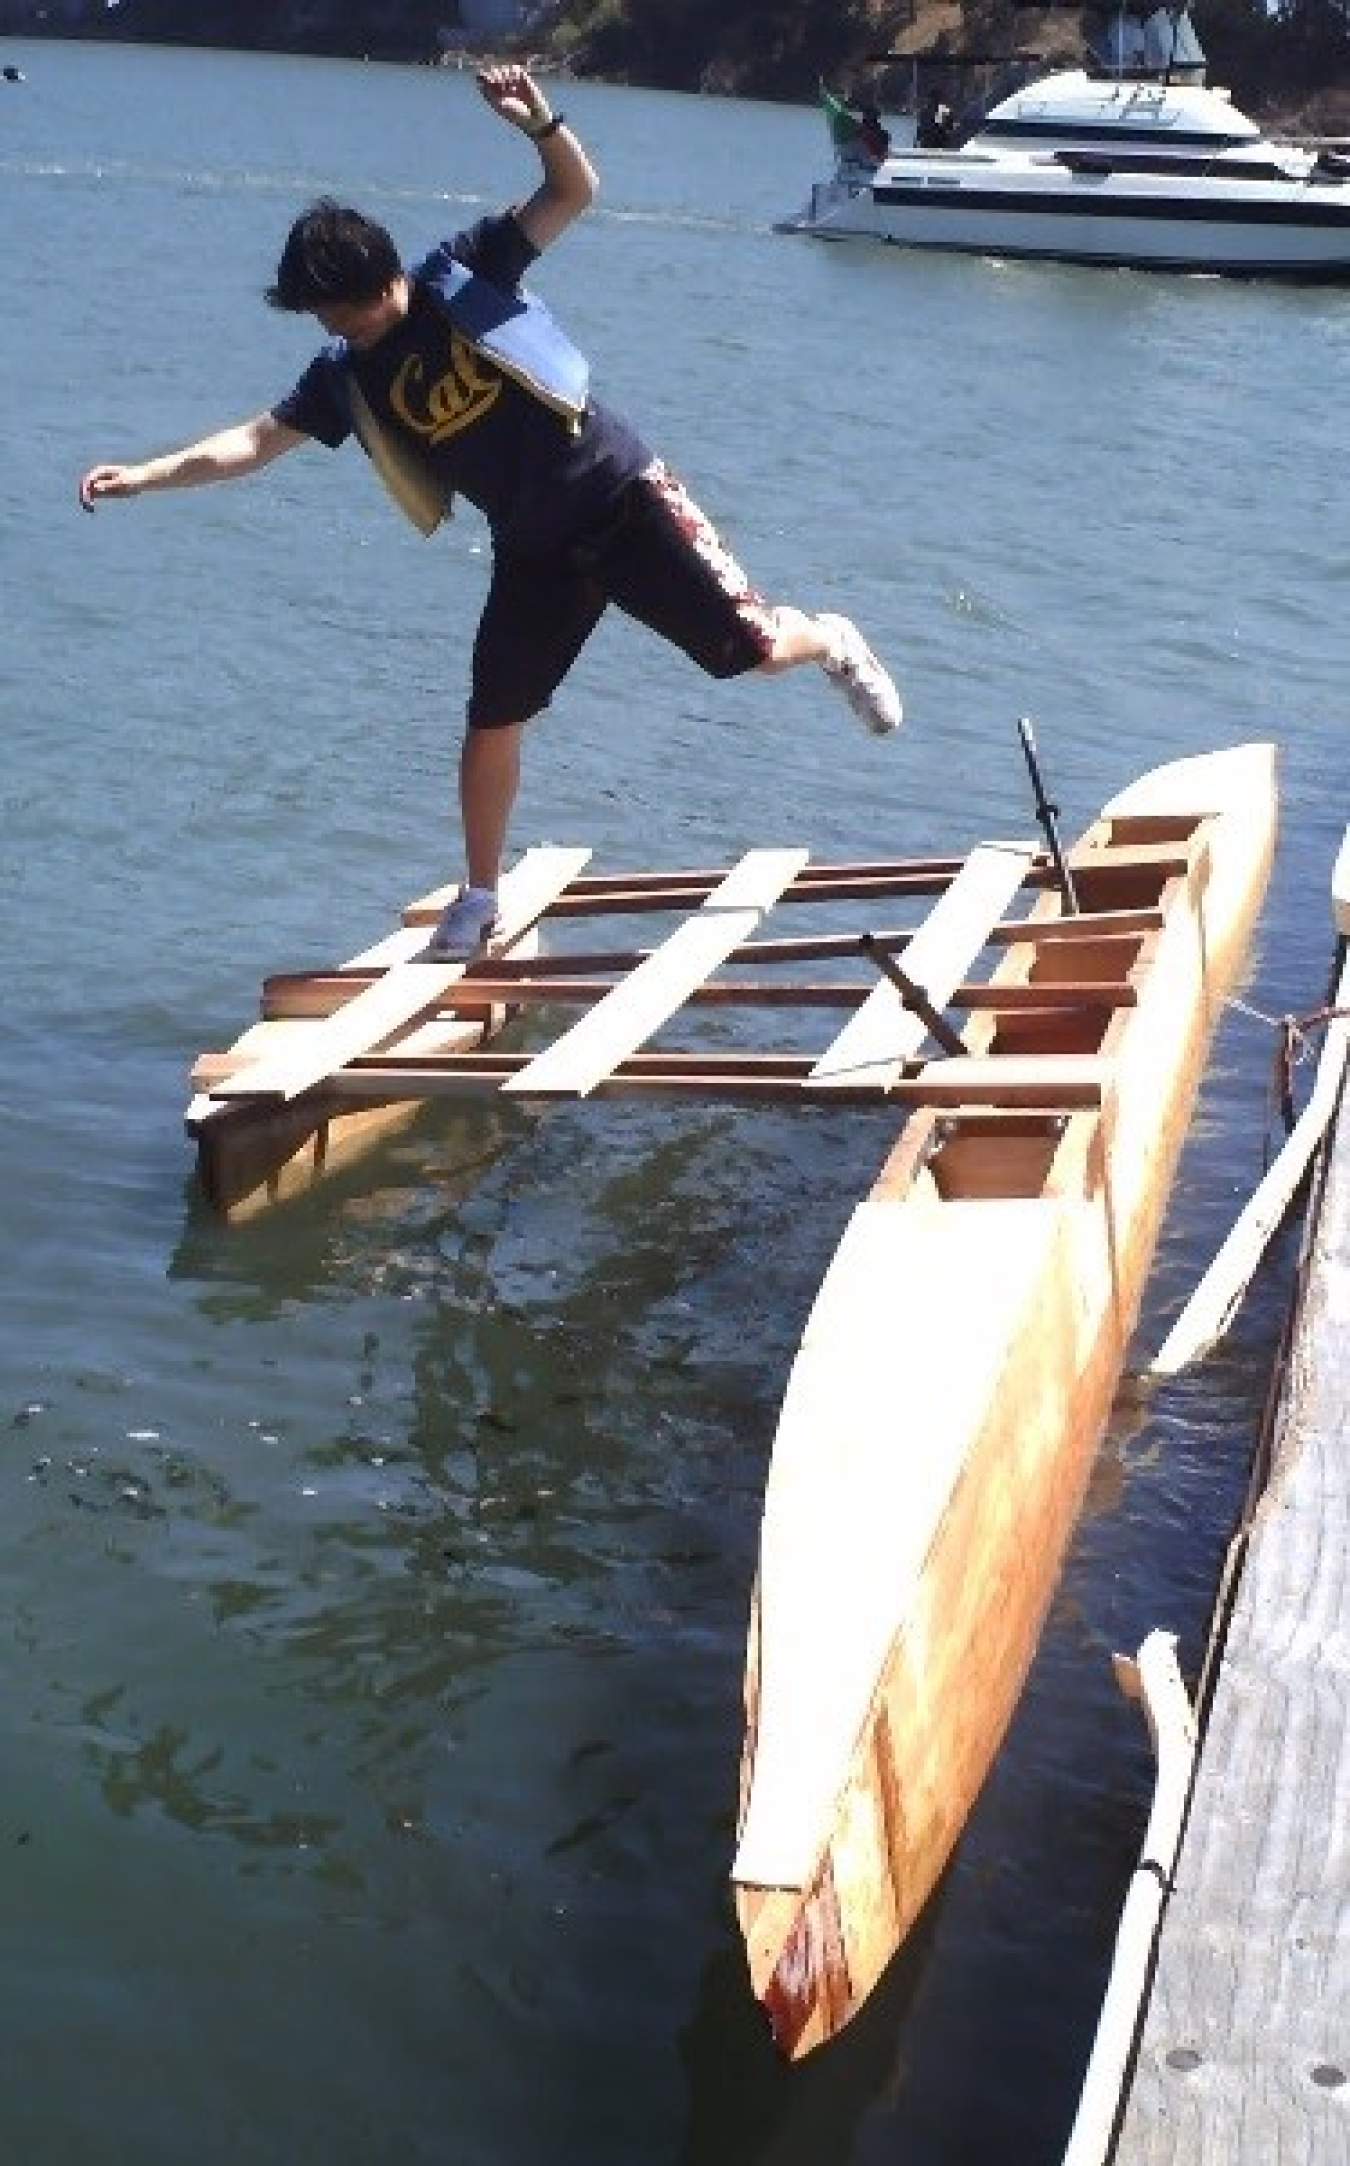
842	124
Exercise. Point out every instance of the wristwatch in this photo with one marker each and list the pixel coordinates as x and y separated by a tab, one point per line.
546	127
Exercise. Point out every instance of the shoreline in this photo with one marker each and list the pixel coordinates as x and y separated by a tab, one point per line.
1324	115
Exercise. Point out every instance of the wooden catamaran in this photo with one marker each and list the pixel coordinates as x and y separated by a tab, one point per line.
952	1381
962	1355
340	1055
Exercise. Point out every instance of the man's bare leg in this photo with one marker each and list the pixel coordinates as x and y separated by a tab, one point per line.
489	777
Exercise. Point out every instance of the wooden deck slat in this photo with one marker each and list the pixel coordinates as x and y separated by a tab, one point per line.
575	1063
885	1033
406	991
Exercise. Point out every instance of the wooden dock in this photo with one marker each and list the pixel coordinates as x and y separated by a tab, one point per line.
1243	2055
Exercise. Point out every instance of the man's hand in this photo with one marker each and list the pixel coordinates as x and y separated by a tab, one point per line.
569	183
514	93
109	481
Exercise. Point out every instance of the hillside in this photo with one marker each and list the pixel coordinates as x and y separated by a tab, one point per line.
1292	67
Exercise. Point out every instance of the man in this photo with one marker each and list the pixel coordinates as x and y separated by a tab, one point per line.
873	135
453	377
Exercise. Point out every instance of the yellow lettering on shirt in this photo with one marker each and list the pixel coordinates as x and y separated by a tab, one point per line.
443	406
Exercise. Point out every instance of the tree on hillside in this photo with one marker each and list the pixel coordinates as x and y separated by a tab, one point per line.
780	45
1301	47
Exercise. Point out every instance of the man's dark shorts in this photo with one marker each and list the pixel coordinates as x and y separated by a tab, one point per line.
659	559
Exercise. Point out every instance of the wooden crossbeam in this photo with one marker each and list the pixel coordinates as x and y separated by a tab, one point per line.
799	948
640	1003
1065	998
884	1033
627	893
936	869
624	893
309	994
819	947
305	995
407	990
1100	925
1044	1082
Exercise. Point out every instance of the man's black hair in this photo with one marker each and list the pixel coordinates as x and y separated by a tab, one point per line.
333	253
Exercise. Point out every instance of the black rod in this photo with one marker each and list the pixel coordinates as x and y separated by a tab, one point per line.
913	996
1048	815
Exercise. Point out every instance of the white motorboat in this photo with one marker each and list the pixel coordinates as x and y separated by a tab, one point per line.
1110	168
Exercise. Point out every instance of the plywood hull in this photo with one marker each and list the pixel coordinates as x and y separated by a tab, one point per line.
254	1156
253	1153
267	1118
943	1413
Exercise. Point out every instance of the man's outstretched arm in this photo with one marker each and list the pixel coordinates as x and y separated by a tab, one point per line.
570	180
225	456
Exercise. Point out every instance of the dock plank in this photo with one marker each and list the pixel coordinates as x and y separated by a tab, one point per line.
637	1007
1243	2054
406	991
876	1042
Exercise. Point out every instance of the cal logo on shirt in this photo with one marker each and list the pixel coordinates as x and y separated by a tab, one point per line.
440	408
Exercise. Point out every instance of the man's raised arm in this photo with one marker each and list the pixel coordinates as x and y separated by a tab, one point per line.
570	180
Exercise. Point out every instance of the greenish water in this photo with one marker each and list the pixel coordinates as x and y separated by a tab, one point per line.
375	1575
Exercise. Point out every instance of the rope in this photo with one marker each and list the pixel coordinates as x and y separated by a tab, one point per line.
1294	1048
1294	1035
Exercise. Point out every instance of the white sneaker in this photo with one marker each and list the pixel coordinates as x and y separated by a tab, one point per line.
464	929
852	665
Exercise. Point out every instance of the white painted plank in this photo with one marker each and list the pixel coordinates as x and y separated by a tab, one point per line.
883	1033
641	1002
1172	1725
1215	1300
407	990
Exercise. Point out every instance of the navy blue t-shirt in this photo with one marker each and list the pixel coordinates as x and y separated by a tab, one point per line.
540	481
